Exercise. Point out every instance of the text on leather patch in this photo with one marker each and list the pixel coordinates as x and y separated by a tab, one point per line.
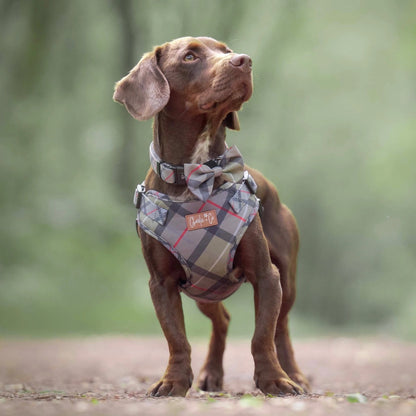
201	220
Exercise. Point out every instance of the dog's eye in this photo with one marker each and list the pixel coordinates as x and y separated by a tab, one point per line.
189	57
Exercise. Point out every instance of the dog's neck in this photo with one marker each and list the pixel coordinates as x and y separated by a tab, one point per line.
178	141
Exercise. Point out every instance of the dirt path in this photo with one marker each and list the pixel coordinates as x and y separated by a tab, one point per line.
110	375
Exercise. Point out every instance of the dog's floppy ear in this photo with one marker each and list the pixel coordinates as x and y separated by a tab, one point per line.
145	90
231	121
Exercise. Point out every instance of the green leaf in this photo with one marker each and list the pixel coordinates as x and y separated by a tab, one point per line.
356	398
250	401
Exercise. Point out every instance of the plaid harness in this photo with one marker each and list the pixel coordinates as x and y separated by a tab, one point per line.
207	253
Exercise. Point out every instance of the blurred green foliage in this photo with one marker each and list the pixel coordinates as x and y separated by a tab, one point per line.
331	122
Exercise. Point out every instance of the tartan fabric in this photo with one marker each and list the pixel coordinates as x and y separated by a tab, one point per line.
200	177
206	254
169	173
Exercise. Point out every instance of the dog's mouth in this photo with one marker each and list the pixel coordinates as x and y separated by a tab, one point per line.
235	98
208	106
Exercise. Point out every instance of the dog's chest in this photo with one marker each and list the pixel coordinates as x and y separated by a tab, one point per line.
202	235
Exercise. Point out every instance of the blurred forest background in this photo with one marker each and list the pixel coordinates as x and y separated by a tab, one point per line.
331	123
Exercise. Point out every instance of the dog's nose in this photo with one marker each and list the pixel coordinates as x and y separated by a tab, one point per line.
242	61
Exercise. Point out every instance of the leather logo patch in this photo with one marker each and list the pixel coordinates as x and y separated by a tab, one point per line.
201	220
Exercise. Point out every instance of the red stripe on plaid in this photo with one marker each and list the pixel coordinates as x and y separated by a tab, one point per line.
171	174
151	212
226	210
192	171
180	238
202	289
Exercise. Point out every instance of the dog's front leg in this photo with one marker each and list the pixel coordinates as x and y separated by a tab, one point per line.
269	376
212	373
168	305
254	258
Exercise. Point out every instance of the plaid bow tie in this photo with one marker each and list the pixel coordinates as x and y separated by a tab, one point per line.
200	177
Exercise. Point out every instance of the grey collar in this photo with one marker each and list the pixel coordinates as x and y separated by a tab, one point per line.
173	174
169	173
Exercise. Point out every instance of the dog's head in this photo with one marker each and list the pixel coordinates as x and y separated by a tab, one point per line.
188	77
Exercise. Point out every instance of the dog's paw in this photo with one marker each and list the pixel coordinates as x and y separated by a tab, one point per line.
210	380
279	386
166	387
301	380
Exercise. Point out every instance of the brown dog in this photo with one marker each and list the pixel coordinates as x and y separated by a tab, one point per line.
193	87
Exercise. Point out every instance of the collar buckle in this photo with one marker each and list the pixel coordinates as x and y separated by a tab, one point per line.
158	168
211	163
